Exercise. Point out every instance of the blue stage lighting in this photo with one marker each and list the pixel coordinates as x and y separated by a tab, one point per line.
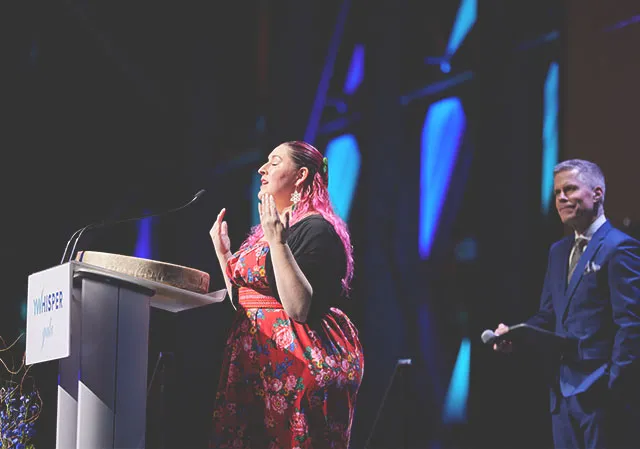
344	168
143	243
549	136
442	136
465	18
455	406
356	70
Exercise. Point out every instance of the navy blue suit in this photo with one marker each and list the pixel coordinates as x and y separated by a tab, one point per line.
600	310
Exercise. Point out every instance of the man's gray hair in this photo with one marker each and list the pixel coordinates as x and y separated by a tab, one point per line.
588	172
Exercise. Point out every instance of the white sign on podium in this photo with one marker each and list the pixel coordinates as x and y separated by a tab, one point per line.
49	314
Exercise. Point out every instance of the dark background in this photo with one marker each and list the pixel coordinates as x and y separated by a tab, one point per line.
114	109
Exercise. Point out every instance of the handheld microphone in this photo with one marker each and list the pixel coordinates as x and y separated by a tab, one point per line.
489	337
78	234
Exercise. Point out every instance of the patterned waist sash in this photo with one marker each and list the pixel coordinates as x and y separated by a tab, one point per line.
251	299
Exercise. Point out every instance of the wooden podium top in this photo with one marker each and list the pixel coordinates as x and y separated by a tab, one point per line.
178	276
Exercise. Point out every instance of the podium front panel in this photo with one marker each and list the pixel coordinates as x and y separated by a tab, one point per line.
106	373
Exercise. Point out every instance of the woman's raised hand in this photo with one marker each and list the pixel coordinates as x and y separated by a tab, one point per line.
275	231
220	236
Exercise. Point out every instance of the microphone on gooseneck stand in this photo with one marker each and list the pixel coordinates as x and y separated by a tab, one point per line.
78	234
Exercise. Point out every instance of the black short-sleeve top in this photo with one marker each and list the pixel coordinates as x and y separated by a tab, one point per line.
320	254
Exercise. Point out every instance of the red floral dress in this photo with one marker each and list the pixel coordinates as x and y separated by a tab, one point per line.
283	384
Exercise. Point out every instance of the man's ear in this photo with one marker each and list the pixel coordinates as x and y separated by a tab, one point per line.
597	195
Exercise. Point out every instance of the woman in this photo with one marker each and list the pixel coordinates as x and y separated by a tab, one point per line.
293	362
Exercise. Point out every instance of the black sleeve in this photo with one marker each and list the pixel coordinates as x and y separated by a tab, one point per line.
319	252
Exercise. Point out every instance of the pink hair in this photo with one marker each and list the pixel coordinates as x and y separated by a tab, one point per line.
315	198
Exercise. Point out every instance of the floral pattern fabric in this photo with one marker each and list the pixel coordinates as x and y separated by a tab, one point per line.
284	384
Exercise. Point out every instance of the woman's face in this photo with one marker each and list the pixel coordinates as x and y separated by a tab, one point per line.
280	177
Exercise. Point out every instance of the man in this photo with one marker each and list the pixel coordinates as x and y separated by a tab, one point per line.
591	294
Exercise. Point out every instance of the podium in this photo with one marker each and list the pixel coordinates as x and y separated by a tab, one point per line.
102	381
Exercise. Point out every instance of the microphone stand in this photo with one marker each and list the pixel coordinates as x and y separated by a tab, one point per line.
66	248
400	362
78	234
158	419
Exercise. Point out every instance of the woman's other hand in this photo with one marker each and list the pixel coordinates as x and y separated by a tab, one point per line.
220	235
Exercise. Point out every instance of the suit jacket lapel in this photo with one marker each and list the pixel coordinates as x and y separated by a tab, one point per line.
592	248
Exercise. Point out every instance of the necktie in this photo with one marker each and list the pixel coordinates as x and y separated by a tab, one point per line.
578	249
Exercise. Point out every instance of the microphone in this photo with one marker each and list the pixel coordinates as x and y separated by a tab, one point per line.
78	234
489	337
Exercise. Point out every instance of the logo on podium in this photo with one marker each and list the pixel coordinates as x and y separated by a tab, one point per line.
48	314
